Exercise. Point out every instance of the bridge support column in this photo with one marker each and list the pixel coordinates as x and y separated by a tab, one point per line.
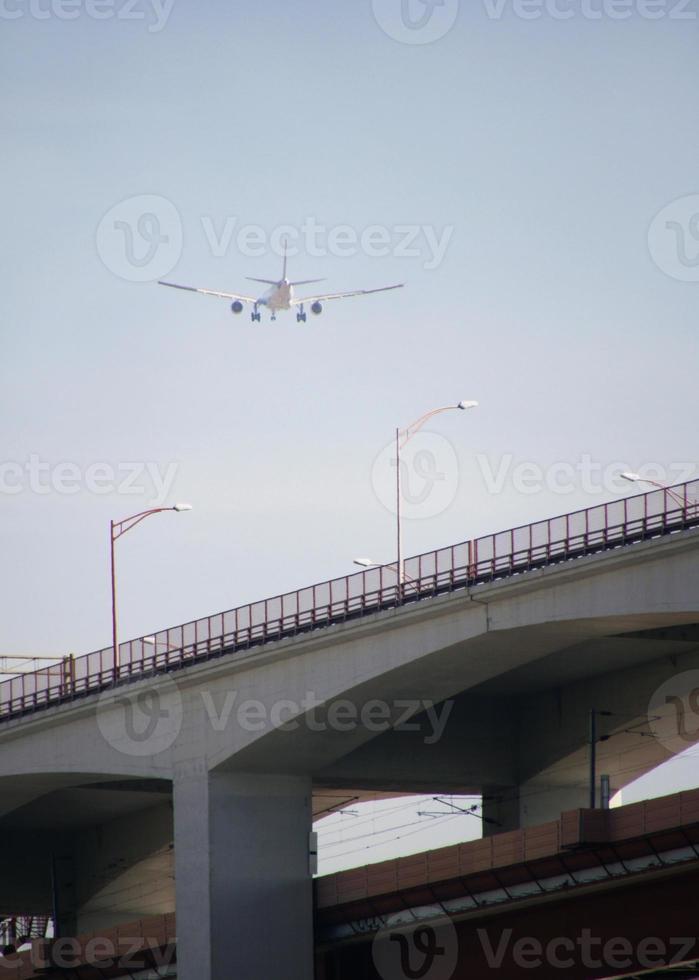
500	809
514	807
540	803
243	884
63	893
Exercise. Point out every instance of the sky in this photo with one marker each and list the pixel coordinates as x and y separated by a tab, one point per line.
530	177
379	830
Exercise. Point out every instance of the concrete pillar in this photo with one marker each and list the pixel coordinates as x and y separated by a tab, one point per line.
244	897
500	809
63	889
532	803
540	802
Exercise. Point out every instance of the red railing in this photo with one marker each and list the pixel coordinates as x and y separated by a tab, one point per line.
494	556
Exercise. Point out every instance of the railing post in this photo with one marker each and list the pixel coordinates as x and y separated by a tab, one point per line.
68	674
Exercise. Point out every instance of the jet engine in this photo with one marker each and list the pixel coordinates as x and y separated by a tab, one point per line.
237	306
316	308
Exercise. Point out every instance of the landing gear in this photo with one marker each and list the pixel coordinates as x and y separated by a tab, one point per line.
255	316
300	316
273	317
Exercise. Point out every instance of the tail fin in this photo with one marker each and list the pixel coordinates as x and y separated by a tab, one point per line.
285	257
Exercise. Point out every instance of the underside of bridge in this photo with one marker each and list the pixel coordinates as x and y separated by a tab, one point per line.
522	738
100	851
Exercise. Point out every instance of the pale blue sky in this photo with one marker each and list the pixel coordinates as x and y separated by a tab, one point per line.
548	145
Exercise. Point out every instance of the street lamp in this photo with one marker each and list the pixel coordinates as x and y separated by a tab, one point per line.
402	437
117	528
151	641
637	478
370	563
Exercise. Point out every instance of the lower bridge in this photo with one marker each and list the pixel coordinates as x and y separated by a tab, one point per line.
594	894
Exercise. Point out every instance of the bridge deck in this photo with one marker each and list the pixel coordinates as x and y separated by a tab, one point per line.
516	551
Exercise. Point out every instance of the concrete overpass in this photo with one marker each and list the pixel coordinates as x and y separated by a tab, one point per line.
596	893
223	736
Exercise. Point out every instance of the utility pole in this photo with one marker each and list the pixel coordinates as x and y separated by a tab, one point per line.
593	739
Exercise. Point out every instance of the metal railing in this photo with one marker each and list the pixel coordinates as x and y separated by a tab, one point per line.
494	556
16	930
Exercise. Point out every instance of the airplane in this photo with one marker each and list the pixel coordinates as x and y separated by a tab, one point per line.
280	296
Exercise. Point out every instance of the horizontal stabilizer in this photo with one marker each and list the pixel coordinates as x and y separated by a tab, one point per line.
267	282
305	282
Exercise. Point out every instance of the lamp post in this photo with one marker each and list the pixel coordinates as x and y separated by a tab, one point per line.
593	738
637	478
402	437
153	642
391	566
117	528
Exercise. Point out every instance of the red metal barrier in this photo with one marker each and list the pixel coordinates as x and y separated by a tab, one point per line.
493	556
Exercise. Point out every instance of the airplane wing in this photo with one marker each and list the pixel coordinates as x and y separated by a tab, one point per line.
210	292
356	292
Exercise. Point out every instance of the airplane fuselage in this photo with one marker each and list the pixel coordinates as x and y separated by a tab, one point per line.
279	297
